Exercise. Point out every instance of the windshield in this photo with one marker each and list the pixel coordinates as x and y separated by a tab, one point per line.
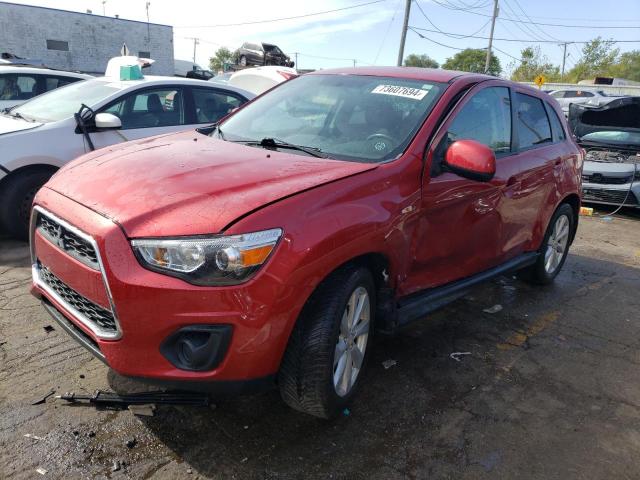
63	102
350	117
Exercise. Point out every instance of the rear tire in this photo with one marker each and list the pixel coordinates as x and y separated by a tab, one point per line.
326	355
16	200
554	249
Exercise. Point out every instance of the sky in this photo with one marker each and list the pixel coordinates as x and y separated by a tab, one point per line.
370	34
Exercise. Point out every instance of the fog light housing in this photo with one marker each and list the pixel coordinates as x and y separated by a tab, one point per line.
197	348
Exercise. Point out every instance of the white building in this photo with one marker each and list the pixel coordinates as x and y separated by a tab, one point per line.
81	41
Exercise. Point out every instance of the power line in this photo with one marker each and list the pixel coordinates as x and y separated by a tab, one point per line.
509	19
527	40
283	18
452	35
384	38
529	18
433	41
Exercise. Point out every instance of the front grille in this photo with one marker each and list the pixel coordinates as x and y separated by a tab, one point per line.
68	241
609	196
93	313
605	179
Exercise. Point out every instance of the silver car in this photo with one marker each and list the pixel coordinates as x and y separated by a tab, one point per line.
610	136
595	98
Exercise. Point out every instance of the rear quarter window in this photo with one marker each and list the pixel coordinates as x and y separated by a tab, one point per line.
556	125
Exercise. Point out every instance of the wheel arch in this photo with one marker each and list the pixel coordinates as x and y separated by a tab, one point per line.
25	169
573	199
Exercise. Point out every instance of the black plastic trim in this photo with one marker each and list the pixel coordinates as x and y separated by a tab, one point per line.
5	170
77	334
420	304
216	346
220	387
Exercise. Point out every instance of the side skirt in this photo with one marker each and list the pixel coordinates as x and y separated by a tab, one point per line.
417	305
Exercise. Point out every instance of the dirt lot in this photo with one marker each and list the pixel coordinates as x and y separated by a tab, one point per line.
550	389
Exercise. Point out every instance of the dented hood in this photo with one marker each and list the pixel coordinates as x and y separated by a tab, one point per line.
188	183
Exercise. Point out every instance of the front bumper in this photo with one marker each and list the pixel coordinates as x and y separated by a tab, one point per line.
149	307
609	194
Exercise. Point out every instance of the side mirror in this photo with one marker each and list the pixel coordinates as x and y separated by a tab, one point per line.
471	159
107	121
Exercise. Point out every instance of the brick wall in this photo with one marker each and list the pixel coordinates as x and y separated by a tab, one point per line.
92	39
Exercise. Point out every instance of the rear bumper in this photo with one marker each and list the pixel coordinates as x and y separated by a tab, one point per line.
152	307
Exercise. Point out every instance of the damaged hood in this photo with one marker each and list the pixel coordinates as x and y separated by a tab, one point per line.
616	123
188	183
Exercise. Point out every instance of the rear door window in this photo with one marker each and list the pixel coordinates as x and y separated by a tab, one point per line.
211	105
52	83
486	118
532	122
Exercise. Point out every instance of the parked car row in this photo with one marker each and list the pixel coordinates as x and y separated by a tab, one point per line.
19	83
43	134
268	248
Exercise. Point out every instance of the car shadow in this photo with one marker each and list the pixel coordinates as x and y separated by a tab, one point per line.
420	411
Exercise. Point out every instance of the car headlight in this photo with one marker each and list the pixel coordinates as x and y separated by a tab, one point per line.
216	260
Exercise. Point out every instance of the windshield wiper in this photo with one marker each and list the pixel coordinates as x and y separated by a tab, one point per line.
19	115
276	143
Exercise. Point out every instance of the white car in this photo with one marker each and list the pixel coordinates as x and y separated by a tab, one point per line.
43	134
595	98
20	83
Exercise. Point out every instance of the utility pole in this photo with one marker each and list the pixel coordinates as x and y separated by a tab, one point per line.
296	54
196	42
148	32
403	37
493	25
104	10
354	63
564	58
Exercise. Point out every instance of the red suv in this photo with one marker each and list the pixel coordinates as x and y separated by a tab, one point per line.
265	249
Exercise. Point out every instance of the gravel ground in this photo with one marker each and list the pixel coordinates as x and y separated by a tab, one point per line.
550	389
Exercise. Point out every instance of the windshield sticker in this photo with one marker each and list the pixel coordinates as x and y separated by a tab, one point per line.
406	92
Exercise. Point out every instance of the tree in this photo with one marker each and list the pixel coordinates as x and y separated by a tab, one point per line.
422	61
533	63
598	58
223	55
627	66
472	60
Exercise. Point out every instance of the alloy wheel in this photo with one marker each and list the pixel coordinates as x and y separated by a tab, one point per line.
557	244
352	341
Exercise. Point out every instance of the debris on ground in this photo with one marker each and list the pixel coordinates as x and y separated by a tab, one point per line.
346	412
43	399
143	410
116	466
114	400
30	435
48	328
132	442
495	309
586	211
387	364
42	471
244	459
456	355
607	218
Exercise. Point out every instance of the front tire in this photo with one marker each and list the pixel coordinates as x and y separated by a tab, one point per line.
243	61
329	345
555	247
16	201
